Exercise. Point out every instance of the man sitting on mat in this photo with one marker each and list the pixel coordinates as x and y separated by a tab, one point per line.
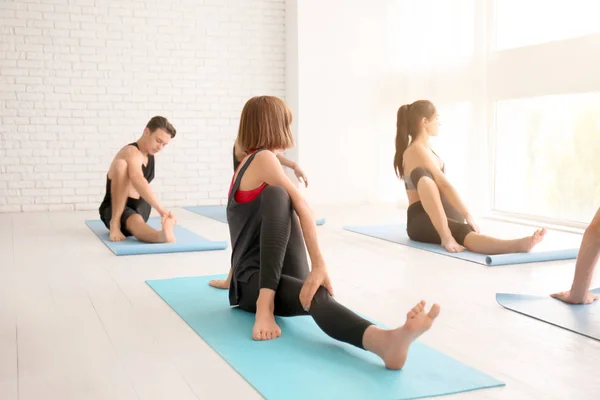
239	155
436	214
587	258
272	228
123	210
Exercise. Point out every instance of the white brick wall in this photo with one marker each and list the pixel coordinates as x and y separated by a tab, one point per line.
80	78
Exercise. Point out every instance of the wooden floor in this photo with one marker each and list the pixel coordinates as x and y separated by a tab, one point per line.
77	322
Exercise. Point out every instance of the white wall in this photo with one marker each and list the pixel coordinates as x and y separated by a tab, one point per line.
81	78
291	75
347	99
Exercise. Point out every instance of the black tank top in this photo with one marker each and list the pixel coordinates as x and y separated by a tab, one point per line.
147	170
244	220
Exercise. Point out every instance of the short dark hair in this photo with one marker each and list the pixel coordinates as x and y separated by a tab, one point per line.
159	122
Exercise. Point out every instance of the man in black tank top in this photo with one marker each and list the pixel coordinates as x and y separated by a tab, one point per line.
129	199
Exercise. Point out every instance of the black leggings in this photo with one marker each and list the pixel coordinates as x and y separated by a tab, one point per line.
284	267
420	228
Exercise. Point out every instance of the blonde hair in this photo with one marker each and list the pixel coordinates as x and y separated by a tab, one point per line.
265	123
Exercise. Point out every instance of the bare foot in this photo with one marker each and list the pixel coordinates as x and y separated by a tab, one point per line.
167	228
115	234
418	322
568	298
452	246
529	242
265	327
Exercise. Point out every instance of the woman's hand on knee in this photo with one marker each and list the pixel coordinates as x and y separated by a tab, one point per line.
318	277
471	221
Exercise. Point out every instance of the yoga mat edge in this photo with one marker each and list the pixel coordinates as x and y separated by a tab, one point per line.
396	233
553	311
187	241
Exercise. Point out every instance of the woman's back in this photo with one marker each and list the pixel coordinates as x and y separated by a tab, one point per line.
418	155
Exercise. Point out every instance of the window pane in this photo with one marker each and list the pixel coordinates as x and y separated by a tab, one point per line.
547	156
527	22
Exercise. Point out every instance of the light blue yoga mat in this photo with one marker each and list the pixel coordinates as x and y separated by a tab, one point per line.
186	241
219	213
397	233
304	363
579	318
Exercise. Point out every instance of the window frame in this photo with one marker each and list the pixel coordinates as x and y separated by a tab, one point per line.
574	85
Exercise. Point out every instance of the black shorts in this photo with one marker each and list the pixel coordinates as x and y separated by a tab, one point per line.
132	207
420	228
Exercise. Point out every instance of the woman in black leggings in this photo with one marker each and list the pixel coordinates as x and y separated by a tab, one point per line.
269	272
436	214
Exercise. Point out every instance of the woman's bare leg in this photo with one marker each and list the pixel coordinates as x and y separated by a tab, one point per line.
483	244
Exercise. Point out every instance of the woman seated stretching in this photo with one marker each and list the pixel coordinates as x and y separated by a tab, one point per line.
587	258
436	214
269	272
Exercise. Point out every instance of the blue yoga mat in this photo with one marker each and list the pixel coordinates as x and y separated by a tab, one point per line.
304	363
219	213
186	241
578	318
397	233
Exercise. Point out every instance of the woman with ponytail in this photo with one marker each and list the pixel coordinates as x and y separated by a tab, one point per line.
436	213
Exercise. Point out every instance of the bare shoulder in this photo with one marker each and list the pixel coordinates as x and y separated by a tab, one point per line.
267	168
415	153
266	158
262	162
130	154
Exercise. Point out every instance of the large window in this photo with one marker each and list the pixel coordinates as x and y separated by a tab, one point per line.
545	129
518	135
547	152
521	23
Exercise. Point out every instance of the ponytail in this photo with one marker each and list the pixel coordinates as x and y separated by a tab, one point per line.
408	127
402	139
